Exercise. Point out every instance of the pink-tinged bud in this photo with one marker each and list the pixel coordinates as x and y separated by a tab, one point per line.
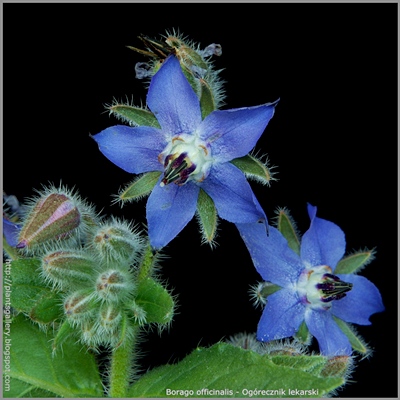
53	217
55	214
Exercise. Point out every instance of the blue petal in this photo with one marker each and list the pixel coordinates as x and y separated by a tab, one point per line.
135	150
331	340
273	259
282	316
169	209
324	242
234	133
172	100
11	231
232	195
360	302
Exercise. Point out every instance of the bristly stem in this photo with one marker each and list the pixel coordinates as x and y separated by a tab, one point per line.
122	363
123	356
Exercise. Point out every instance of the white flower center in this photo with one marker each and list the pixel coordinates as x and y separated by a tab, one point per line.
318	287
185	158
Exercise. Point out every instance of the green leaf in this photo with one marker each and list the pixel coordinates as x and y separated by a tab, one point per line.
253	168
313	364
15	388
231	372
354	262
156	301
207	216
140	187
356	343
31	295
70	373
134	115
287	228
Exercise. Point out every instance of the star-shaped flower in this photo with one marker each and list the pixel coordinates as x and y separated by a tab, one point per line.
310	289
191	154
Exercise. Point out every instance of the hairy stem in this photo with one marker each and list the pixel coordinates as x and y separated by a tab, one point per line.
122	363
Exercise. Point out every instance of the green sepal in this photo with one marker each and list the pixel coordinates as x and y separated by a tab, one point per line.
140	187
64	331
207	216
71	373
31	295
156	301
287	228
268	288
207	101
356	343
303	334
253	168
9	251
354	262
135	116
147	264
193	81
232	370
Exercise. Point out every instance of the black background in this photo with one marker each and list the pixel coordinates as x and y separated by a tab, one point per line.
333	139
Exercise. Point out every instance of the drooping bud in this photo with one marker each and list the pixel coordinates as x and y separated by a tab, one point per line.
117	241
115	286
55	214
195	63
69	268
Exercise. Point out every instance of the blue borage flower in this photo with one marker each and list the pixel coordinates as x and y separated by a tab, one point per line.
310	290
11	231
190	153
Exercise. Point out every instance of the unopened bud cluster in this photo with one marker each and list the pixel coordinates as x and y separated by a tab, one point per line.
92	263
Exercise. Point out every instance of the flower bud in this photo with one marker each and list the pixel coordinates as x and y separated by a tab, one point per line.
109	318
69	268
56	214
117	241
115	286
338	366
79	306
